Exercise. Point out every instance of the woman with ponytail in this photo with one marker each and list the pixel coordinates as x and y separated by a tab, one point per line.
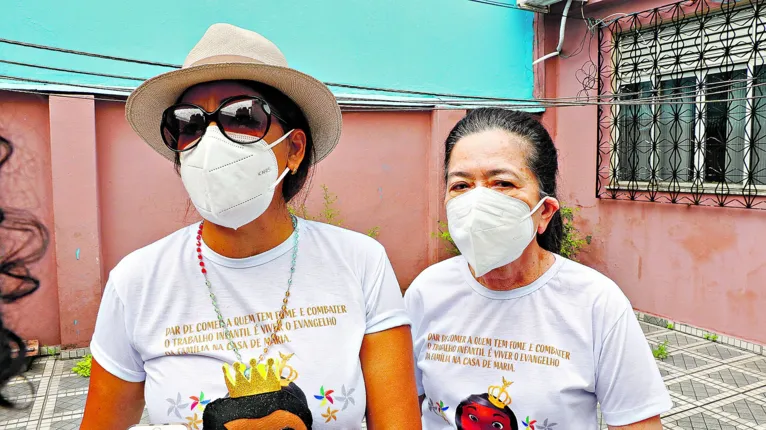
510	328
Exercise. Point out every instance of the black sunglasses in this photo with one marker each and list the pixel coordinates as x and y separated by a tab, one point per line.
242	119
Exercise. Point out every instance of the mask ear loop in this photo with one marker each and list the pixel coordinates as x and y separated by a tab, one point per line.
278	141
537	206
287	169
282	176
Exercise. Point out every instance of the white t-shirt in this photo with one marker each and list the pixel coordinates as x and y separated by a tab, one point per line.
157	323
546	352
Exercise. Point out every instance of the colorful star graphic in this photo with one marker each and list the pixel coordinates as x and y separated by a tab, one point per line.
529	424
199	401
438	408
325	396
330	415
194	422
442	407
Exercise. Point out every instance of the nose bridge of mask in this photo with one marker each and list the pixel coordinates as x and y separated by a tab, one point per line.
495	203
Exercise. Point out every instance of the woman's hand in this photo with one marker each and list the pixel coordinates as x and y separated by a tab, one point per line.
389	376
112	403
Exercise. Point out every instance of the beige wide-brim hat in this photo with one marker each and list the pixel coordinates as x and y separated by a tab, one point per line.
229	52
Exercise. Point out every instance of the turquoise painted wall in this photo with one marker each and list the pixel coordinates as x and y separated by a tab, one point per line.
445	46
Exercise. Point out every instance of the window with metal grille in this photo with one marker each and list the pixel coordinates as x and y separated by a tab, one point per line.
682	117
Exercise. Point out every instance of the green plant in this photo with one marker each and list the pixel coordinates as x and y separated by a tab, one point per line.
571	245
49	350
373	232
661	352
82	367
670	326
329	214
710	336
573	241
443	234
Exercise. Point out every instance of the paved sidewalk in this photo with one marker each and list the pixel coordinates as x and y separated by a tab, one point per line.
714	387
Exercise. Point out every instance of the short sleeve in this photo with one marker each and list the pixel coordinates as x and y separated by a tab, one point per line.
111	345
414	306
383	298
628	382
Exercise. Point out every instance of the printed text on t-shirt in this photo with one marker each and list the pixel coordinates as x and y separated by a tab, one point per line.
250	331
501	354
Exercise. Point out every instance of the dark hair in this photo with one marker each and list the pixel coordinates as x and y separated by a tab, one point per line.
542	159
25	244
483	399
293	118
289	399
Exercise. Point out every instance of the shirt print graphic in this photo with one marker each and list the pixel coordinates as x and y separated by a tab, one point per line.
260	396
491	410
266	398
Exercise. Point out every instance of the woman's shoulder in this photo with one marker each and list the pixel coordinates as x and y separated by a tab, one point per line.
438	275
328	234
170	246
590	285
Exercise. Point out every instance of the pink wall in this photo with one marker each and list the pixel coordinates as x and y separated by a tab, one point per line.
702	266
25	183
142	198
77	235
379	173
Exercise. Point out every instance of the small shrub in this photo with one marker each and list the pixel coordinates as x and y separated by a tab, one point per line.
443	234
49	350
373	232
711	337
329	213
661	352
573	241
82	367
670	326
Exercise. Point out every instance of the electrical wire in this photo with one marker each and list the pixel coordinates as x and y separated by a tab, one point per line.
440	98
332	84
88	54
670	99
79	72
711	88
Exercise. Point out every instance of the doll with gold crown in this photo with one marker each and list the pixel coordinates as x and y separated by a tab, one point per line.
489	410
263	396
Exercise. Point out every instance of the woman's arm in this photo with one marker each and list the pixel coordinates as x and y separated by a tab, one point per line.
653	423
389	376
112	403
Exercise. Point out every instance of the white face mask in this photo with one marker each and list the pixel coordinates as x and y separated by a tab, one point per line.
490	228
230	184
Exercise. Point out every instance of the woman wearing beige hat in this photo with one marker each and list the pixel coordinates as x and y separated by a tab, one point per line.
252	318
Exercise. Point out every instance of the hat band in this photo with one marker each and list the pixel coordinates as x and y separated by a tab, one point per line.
216	59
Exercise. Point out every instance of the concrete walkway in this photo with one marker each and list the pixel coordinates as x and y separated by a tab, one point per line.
714	387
